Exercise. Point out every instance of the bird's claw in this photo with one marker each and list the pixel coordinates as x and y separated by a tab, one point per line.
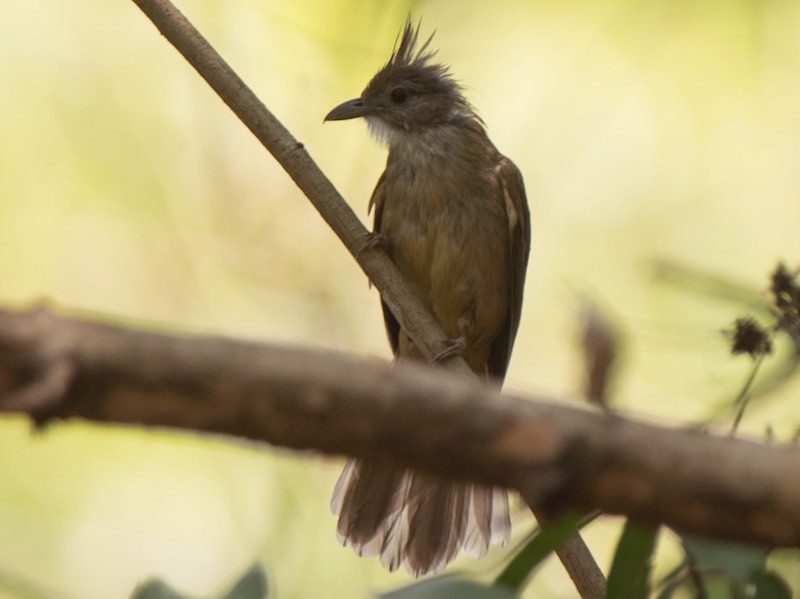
373	240
452	348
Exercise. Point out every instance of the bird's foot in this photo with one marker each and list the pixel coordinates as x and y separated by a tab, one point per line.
452	348
373	240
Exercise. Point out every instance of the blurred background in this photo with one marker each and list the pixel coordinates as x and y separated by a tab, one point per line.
660	145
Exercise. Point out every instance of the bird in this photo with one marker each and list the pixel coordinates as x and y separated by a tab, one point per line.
451	212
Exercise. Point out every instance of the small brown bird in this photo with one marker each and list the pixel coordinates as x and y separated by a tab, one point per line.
452	212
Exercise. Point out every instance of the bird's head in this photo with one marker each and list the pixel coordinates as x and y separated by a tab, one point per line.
409	94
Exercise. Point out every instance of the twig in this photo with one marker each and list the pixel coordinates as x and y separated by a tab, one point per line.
740	404
586	576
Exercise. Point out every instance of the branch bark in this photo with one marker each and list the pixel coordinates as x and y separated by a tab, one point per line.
558	457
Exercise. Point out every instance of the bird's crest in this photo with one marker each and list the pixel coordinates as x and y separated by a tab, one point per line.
412	91
406	53
411	64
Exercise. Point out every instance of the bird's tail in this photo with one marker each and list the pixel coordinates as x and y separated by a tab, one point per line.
413	518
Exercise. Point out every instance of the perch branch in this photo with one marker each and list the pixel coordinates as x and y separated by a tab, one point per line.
556	456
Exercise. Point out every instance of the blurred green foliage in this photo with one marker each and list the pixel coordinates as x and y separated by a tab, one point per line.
448	587
628	577
251	585
648	133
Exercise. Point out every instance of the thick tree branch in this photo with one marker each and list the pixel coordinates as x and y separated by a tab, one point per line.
556	456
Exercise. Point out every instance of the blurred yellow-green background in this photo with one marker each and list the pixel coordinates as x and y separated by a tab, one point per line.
647	132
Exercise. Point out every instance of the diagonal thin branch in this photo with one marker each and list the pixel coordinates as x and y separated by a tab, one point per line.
415	320
297	163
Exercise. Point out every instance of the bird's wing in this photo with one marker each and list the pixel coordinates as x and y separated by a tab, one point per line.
512	190
377	202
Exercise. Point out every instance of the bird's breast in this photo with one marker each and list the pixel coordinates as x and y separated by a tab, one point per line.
431	208
447	233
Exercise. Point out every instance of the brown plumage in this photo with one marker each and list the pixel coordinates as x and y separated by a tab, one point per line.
456	223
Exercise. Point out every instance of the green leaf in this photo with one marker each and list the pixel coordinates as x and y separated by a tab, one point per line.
449	587
253	585
541	544
737	561
630	570
771	586
155	589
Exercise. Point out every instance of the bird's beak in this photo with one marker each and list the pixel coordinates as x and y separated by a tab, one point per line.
348	110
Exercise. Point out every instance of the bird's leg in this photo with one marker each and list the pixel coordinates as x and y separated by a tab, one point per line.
456	346
373	240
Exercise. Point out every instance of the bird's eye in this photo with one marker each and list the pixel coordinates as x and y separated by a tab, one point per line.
398	95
